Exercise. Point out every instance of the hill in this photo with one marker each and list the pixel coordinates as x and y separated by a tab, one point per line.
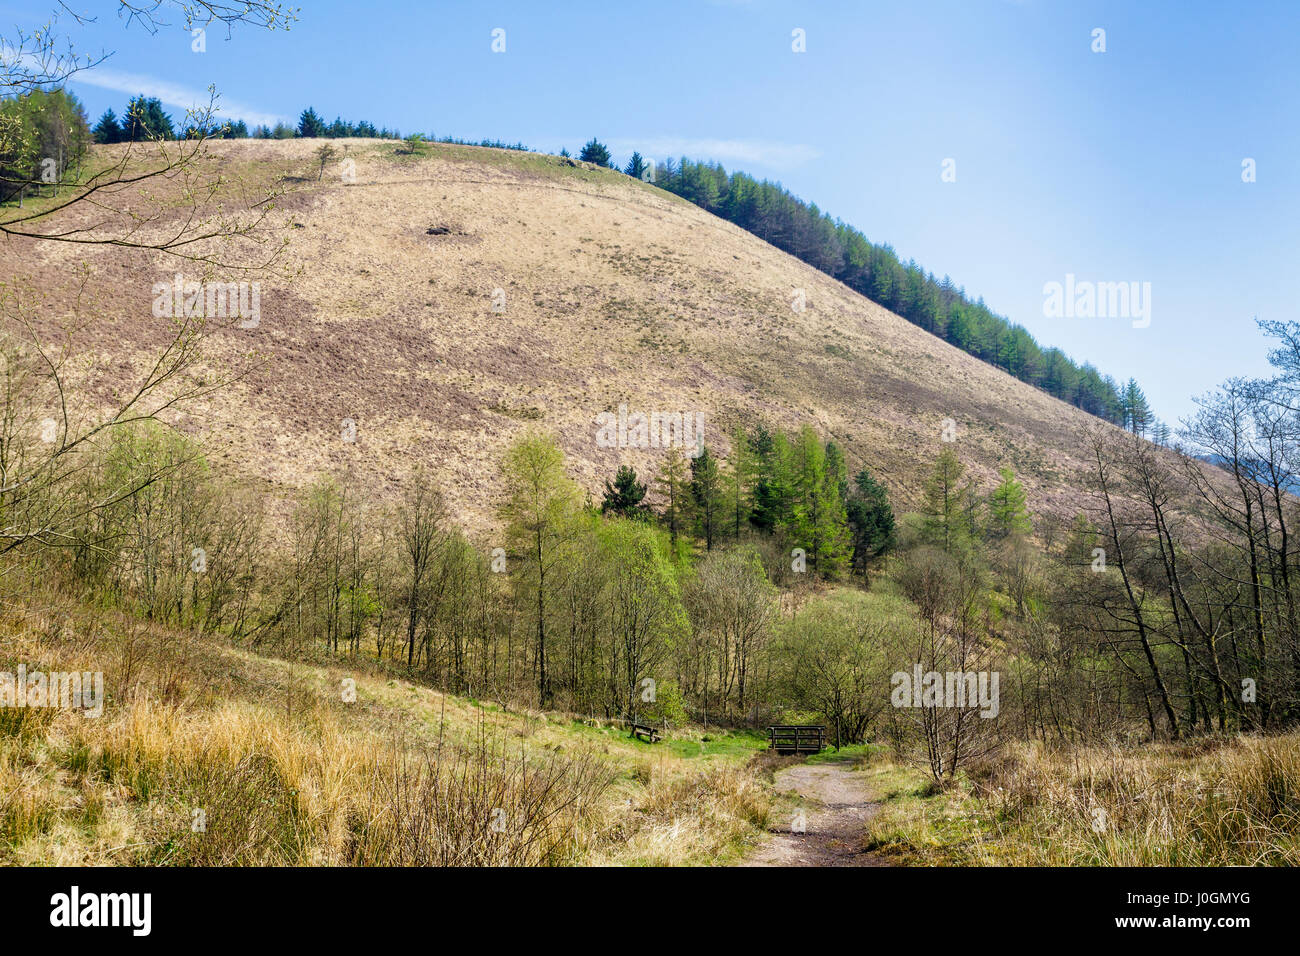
608	291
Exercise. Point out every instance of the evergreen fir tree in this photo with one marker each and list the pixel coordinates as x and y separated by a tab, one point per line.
672	482
107	130
706	490
1007	512
145	120
595	152
310	125
871	520
946	515
636	166
1136	411
624	496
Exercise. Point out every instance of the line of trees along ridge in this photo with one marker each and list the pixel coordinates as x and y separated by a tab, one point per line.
772	213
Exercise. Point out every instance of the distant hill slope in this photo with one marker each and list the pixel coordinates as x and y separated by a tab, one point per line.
615	292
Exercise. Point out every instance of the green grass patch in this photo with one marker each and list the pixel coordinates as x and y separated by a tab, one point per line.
738	744
850	753
921	825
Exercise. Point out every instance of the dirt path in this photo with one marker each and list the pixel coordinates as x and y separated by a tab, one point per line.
836	807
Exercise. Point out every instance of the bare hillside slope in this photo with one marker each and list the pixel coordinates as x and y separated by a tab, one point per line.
611	292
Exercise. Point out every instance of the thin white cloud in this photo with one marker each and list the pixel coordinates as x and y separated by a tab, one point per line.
755	152
173	94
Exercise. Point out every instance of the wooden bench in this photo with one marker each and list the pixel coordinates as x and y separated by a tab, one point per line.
645	732
796	738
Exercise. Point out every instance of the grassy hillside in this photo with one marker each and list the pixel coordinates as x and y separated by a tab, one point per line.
614	292
284	771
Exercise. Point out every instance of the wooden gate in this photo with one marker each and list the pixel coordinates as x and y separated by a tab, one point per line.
796	738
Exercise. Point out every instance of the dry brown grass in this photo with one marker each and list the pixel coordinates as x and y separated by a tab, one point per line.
285	773
1213	802
615	292
705	817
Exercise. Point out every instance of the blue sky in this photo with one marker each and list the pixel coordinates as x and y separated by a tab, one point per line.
1117	166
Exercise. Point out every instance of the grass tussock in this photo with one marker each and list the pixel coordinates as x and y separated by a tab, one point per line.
1213	802
255	761
241	786
703	818
477	808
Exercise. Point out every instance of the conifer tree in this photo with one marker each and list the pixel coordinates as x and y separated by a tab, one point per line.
817	521
636	166
782	483
595	152
624	496
310	125
107	129
675	487
946	515
707	491
834	541
1008	515
1136	411
145	119
871	519
763	511
739	482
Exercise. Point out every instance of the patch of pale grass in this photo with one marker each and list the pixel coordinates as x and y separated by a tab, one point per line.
1210	802
688	817
405	776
